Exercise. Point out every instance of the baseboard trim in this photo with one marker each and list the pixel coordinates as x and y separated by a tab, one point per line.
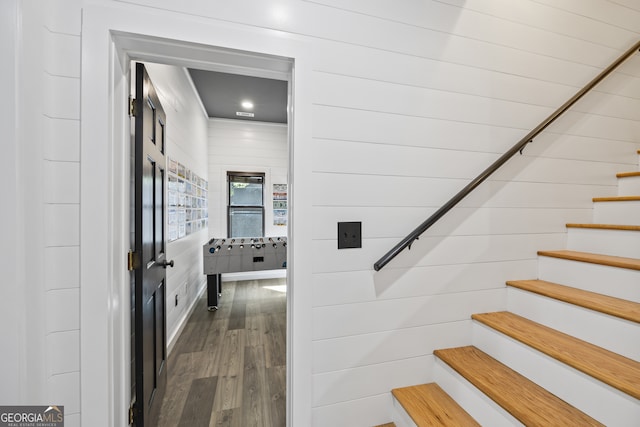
183	321
255	275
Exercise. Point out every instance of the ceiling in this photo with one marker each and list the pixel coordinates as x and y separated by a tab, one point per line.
222	95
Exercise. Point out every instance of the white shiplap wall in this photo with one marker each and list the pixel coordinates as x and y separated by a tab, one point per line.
186	143
12	297
43	211
411	100
400	130
245	146
61	190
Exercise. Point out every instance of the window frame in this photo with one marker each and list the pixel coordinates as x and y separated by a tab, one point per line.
230	207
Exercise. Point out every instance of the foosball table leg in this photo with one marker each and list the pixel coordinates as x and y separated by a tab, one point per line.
214	290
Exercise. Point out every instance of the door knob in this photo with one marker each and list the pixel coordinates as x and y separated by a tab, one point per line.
167	264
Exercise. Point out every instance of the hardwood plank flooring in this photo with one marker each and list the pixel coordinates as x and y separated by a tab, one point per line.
197	408
228	367
277	380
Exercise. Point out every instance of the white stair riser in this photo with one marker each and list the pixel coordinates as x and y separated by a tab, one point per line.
626	213
629	186
400	417
598	400
622	243
484	410
617	282
597	328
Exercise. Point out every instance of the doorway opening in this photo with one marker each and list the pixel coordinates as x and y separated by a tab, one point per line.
237	325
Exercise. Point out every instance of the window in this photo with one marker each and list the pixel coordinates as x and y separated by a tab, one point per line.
245	207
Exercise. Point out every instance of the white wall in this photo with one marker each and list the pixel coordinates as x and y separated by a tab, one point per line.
186	143
409	103
245	146
12	295
41	206
414	118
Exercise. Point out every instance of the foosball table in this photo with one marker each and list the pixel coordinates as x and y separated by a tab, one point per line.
234	255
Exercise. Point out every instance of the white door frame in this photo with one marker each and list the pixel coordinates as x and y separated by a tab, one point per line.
111	36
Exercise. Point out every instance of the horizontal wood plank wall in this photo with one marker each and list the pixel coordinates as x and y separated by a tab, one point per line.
245	146
399	131
409	103
12	301
55	80
186	143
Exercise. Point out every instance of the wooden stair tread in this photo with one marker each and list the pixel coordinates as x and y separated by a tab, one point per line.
531	404
606	226
621	308
429	405
610	260
617	199
627	174
613	369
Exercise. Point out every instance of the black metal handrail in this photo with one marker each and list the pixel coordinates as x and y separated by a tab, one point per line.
415	234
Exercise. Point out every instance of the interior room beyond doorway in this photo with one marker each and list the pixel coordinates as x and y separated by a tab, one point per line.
246	311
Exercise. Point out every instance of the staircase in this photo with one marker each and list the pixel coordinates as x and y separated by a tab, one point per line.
567	351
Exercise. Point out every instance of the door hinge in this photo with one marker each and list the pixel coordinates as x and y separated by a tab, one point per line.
132	414
131	261
132	106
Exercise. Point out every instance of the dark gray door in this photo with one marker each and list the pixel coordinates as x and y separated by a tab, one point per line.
150	263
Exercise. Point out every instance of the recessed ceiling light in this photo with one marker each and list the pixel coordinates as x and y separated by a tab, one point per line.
247	105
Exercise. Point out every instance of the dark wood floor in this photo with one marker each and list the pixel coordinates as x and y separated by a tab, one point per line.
228	366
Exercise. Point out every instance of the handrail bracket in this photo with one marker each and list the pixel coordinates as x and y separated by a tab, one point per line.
411	242
524	146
